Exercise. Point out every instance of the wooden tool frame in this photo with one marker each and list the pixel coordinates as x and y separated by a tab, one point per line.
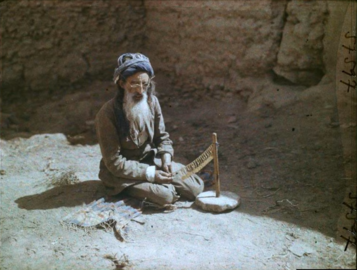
216	164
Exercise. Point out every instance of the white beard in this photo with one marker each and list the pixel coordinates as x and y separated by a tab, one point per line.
137	112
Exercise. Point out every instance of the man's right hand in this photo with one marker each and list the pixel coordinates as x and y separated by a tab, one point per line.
162	177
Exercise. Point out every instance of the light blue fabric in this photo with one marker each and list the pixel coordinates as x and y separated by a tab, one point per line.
99	212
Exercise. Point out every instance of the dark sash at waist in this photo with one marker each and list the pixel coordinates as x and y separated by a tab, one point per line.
139	153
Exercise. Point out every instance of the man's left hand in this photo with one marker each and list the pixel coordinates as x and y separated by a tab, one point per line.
166	163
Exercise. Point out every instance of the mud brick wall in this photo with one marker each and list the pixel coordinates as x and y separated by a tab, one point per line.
52	44
211	44
300	58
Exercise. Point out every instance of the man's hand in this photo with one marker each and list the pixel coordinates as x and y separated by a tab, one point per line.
166	163
162	177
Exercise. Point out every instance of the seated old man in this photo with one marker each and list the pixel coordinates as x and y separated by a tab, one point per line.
131	133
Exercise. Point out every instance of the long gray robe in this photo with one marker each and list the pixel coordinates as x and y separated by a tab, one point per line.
123	162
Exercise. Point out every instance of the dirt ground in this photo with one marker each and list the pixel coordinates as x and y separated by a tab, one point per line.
280	151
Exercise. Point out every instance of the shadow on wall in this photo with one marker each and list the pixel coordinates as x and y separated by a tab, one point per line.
72	114
53	69
48	46
235	39
53	53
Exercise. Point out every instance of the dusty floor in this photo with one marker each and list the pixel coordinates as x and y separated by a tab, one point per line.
281	152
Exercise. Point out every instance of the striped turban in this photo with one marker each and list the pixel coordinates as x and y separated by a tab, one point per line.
131	63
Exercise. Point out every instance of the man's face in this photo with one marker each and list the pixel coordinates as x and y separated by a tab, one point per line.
136	85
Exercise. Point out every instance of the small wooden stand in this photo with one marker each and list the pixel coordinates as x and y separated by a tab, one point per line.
217	202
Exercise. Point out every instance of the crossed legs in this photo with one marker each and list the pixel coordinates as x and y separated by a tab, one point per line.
167	193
